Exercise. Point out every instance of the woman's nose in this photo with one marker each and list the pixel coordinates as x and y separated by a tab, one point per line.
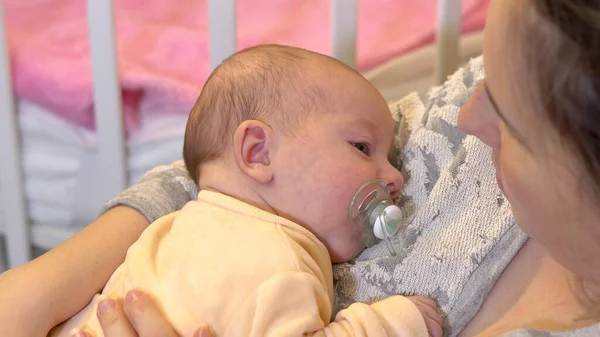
478	118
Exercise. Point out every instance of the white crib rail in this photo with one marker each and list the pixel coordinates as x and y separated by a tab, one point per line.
12	197
222	29
343	30
107	98
448	35
108	105
223	36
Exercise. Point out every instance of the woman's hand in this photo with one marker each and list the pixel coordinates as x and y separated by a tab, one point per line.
136	316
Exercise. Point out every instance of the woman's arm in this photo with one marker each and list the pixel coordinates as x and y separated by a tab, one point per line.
44	292
48	290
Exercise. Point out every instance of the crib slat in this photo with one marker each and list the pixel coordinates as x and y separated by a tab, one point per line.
12	196
107	98
222	30
448	35
343	30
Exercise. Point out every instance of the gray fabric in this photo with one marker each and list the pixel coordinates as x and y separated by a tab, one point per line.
163	190
590	331
482	280
459	232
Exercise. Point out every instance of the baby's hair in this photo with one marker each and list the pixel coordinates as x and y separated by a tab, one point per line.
270	83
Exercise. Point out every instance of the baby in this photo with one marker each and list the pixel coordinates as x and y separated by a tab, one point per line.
279	142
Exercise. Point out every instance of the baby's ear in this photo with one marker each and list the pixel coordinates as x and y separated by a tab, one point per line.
252	141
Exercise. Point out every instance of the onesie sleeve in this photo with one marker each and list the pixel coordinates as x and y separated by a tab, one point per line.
296	304
162	190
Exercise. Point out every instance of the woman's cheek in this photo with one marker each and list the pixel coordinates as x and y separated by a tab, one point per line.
523	186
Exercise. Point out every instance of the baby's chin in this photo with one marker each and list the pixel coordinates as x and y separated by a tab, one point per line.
351	250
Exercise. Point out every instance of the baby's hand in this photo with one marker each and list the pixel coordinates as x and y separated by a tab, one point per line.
429	310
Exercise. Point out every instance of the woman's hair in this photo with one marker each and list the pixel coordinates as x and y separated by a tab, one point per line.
561	40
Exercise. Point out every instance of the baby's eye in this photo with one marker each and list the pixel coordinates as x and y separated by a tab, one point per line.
362	147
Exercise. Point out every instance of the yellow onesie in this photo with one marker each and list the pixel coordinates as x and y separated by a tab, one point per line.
245	272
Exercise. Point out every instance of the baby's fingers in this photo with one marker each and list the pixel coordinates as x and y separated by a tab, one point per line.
434	327
430	313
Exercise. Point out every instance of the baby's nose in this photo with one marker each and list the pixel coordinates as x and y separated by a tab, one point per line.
395	182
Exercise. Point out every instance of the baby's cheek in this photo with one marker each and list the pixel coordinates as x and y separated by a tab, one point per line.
342	235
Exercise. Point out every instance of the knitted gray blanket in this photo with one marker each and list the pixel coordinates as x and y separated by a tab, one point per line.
460	232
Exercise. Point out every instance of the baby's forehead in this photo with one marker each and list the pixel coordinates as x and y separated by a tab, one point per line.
361	98
362	117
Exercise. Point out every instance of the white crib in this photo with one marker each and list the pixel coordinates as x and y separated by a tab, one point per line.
20	235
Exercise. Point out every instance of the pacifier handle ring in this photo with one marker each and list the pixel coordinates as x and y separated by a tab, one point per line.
362	207
387	239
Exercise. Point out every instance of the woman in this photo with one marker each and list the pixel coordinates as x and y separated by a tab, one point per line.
543	84
538	110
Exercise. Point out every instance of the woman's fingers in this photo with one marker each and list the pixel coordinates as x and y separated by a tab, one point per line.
113	320
80	333
204	332
145	316
137	316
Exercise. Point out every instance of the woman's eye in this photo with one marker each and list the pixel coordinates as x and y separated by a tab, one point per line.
362	147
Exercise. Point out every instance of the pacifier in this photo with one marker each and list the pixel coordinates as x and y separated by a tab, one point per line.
373	210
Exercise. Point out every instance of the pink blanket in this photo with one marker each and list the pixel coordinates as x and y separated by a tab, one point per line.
163	47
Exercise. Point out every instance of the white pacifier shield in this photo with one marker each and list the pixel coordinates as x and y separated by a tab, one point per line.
391	213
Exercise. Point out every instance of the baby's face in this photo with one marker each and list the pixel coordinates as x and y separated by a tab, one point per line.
322	167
